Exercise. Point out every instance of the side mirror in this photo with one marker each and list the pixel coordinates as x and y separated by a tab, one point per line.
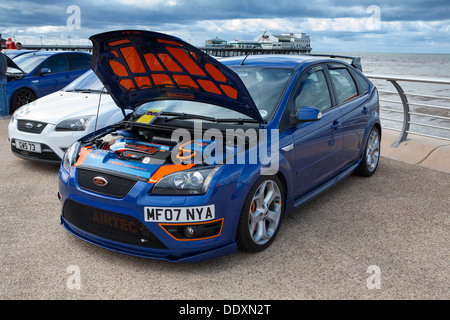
44	71
307	114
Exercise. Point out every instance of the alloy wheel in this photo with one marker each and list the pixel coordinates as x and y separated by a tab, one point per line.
265	212
373	151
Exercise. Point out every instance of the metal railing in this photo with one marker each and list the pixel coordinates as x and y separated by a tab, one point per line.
416	114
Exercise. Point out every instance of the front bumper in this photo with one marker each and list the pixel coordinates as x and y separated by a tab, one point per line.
53	143
120	223
153	254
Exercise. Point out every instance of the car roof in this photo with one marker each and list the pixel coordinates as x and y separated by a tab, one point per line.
18	51
50	53
279	61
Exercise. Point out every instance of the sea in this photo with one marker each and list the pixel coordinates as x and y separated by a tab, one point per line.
416	66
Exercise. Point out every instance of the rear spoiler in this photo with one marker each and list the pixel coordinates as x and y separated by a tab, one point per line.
356	61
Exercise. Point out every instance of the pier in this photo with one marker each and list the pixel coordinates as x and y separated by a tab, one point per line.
56	47
231	52
212	51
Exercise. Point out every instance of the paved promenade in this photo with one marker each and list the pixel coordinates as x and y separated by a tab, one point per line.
393	227
423	151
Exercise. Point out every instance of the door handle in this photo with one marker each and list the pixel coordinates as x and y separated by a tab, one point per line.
365	110
335	125
288	148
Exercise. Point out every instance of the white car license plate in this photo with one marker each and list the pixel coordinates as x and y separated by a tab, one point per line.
28	146
181	214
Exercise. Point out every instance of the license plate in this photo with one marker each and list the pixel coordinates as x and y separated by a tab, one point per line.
180	215
28	146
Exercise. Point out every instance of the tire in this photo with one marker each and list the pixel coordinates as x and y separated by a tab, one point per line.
21	97
371	156
261	215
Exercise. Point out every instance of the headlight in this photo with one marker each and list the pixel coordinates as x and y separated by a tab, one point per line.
195	181
23	110
70	157
74	124
13	117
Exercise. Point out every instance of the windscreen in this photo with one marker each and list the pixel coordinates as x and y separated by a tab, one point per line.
266	86
28	62
86	82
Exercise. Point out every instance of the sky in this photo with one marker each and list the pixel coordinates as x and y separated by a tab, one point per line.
408	26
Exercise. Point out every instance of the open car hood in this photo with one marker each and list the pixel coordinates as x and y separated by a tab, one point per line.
12	64
142	66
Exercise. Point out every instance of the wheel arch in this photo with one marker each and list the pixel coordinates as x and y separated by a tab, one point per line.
284	173
282	178
16	90
378	126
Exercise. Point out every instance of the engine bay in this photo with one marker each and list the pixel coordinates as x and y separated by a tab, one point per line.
153	146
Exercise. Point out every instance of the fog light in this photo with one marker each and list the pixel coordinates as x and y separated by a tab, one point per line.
196	231
189	231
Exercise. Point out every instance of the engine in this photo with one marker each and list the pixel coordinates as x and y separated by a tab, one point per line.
148	148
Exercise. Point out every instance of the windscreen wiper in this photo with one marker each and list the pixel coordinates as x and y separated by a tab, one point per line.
239	120
184	116
84	90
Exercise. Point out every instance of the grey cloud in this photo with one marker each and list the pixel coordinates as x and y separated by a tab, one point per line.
187	18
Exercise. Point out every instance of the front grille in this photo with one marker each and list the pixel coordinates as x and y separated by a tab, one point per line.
117	186
46	155
110	225
30	126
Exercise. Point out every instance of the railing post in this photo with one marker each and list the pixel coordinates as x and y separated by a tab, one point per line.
406	115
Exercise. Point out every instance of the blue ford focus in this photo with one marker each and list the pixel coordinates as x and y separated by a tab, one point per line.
34	74
214	154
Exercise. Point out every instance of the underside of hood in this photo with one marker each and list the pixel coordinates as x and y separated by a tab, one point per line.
142	66
12	64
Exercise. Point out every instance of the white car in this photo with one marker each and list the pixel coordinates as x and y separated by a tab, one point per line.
42	130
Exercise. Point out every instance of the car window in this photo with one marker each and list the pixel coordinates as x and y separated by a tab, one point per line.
56	63
313	91
364	84
80	61
344	84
